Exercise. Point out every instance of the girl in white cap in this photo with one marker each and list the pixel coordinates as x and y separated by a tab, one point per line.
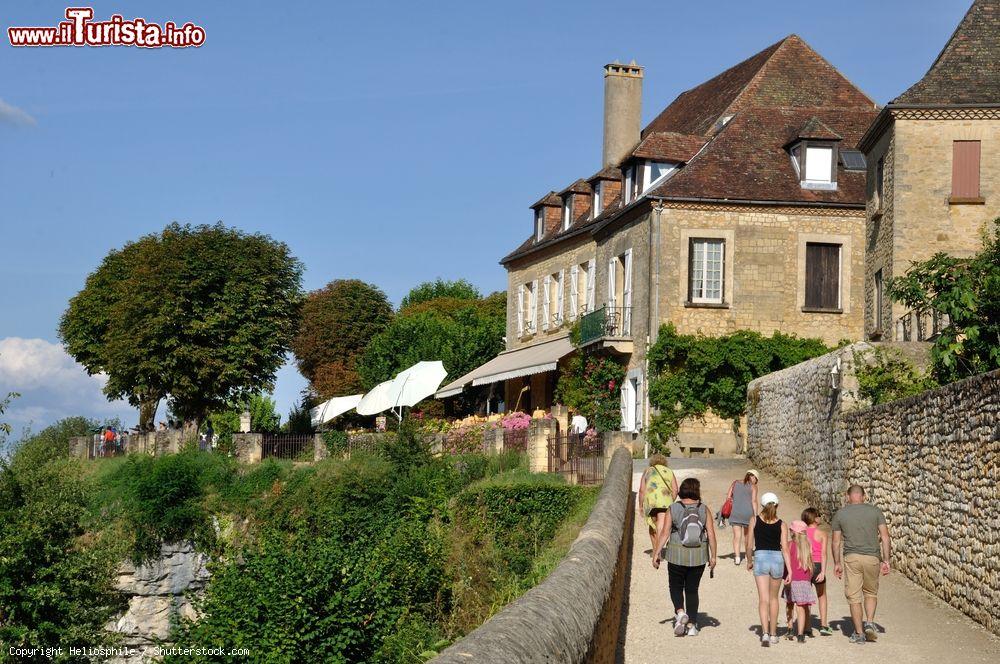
767	557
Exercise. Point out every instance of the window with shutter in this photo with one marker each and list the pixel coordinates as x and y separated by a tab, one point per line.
822	276
520	310
533	309
591	278
879	301
574	291
965	172
560	298
627	295
612	265
545	302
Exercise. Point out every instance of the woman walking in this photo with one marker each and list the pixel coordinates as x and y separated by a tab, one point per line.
691	547
657	490
767	557
744	500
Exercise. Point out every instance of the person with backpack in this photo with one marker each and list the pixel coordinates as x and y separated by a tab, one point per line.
740	507
768	558
657	490
692	546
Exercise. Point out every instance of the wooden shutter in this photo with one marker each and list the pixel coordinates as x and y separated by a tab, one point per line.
560	295
534	305
591	280
545	302
627	294
822	276
574	291
520	310
691	270
965	169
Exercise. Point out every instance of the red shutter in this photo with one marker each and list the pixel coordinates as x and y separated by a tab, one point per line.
965	169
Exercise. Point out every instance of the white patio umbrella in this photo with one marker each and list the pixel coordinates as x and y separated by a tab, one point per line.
336	406
376	401
415	384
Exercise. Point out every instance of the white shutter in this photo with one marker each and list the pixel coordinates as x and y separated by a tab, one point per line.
624	405
591	280
562	289
627	294
533	325
611	282
520	310
574	291
545	303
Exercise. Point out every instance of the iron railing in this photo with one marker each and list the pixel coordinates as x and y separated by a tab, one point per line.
605	322
920	325
577	457
296	446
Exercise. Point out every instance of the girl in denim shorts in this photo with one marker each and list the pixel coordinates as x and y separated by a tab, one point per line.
769	543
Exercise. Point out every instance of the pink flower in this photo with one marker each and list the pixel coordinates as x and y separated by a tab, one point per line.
611	384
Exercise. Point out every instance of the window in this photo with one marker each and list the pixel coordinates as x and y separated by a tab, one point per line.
527	307
553	298
880	181
633	181
581	289
539	223
567	211
822	276
878	295
706	270
853	160
595	209
965	172
659	170
819	164
620	294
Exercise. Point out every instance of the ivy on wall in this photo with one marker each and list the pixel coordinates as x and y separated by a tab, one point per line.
590	384
692	374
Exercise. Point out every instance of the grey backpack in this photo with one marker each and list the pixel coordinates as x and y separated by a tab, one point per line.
692	526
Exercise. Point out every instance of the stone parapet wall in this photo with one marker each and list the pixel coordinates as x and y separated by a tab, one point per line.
574	615
931	463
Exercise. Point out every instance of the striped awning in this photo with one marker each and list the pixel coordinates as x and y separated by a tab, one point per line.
526	361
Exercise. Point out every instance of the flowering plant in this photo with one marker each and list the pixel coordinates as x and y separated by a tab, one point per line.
516	420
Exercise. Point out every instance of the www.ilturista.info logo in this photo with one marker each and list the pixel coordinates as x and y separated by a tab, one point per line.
80	30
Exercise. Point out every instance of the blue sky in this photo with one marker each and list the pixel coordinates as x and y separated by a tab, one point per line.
392	142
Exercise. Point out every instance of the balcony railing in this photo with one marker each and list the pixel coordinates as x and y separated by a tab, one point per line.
920	326
605	322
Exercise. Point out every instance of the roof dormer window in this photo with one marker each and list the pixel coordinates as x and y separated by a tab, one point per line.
539	223
567	211
595	208
815	163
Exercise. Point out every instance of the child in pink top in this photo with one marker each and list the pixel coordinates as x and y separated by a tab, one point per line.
820	543
798	578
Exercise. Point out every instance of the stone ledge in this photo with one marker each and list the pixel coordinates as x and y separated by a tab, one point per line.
557	620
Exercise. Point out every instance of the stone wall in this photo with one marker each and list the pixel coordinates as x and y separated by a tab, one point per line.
158	592
930	462
574	615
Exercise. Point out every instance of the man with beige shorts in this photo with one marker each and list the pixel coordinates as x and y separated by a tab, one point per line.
861	529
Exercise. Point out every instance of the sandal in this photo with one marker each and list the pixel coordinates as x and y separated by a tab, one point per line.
825	630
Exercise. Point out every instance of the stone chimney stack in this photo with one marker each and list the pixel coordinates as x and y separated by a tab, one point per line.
622	110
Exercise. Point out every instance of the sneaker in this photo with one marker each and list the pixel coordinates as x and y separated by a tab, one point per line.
790	634
858	638
825	630
680	623
870	632
775	640
692	630
765	640
801	638
737	560
810	634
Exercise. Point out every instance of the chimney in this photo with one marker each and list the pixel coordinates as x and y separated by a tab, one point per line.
622	110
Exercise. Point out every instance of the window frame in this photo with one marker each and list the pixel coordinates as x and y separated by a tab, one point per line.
878	292
819	308
595	206
800	160
703	300
567	211
539	223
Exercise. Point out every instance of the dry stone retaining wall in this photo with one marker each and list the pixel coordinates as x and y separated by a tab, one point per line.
574	615
931	462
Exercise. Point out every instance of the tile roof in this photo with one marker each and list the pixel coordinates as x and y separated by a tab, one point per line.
669	146
579	187
816	130
551	198
967	71
609	173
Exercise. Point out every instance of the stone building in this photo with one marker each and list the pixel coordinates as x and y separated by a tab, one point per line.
933	157
740	206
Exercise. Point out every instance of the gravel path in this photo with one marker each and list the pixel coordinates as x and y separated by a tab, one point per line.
917	626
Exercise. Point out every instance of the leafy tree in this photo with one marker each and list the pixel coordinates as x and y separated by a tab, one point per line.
299	417
203	315
967	291
438	289
4	427
694	373
263	417
338	321
51	443
461	336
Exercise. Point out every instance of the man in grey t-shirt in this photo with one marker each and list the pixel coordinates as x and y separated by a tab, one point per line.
861	530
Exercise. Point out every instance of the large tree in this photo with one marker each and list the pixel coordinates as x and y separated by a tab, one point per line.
338	321
967	292
203	315
463	334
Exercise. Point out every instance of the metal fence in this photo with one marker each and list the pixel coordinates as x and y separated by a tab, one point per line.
920	325
294	446
605	322
577	457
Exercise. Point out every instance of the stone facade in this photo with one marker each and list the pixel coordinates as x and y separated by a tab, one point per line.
918	218
929	461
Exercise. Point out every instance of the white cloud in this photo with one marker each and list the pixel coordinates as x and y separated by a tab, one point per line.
52	385
15	116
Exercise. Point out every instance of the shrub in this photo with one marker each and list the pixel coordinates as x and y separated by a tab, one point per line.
591	384
889	377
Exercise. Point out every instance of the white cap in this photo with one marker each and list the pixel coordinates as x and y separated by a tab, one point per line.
768	498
